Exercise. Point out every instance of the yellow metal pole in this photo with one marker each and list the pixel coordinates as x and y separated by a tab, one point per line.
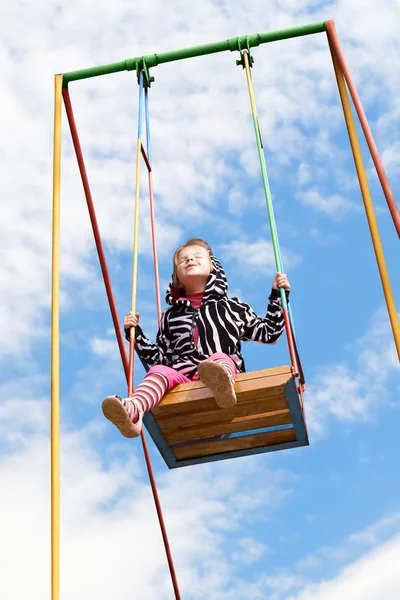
250	84
369	207
55	348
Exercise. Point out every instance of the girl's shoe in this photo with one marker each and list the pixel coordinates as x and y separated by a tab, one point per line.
116	410
217	378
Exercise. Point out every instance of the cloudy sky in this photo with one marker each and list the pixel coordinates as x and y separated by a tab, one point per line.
314	523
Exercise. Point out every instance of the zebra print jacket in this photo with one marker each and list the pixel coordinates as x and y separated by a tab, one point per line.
223	323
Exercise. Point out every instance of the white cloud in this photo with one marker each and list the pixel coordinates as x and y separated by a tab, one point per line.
377	532
372	577
332	205
103	347
200	118
304	174
108	520
350	393
249	551
391	159
256	259
356	567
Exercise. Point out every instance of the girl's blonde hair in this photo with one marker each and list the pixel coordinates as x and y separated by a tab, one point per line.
176	288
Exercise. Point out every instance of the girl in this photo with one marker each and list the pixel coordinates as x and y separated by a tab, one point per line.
199	337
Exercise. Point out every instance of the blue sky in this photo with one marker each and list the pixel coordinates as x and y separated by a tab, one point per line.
311	523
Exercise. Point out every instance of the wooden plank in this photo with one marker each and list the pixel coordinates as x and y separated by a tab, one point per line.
169	410
260	373
281	370
261	388
249	388
201	460
168	422
209	405
245	390
254	440
247	423
195	389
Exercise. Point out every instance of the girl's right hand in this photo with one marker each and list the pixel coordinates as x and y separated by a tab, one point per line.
131	320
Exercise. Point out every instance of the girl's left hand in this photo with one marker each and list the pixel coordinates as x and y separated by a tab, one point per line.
281	281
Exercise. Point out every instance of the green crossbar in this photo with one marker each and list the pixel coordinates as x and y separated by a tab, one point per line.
232	44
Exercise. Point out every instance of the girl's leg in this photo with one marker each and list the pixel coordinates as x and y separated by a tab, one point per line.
218	373
157	382
227	362
127	413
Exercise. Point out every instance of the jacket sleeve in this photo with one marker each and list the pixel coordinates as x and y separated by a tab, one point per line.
153	354
265	330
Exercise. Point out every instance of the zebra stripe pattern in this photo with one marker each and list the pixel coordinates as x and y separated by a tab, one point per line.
223	323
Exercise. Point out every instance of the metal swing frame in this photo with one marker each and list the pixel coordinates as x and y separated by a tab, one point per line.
142	66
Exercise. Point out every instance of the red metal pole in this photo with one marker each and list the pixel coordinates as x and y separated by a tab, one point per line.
334	40
289	334
160	518
110	296
154	243
158	302
96	232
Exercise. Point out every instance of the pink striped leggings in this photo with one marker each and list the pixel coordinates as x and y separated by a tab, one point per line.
159	379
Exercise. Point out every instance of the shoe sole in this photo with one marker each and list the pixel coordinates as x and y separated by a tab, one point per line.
115	412
215	377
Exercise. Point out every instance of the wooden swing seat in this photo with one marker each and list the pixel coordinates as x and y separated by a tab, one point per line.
189	428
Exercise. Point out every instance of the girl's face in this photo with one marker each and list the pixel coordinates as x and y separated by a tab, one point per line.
193	268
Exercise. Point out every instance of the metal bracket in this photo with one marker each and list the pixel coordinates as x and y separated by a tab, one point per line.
241	49
147	78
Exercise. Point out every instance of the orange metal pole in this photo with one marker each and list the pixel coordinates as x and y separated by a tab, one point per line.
335	44
366	195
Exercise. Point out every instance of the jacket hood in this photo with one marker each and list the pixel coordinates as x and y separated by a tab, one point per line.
216	287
